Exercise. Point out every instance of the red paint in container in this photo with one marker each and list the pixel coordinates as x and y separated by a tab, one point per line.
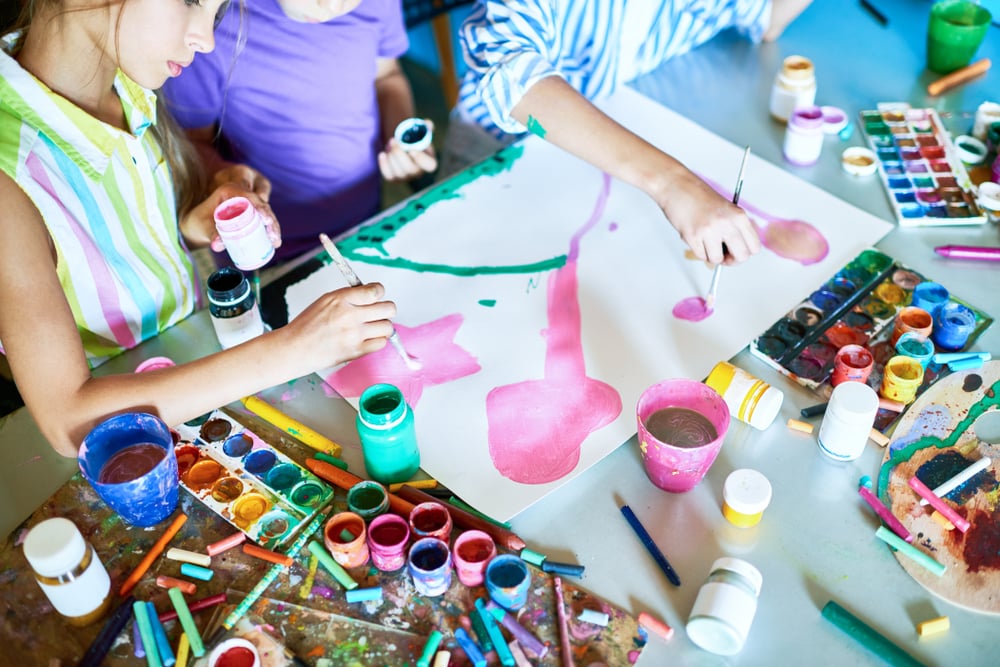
853	363
131	463
235	652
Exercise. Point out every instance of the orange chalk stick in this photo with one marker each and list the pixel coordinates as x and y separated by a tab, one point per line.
655	626
163	581
267	554
960	76
797	425
152	555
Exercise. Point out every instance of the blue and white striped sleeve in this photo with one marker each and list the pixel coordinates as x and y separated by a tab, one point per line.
509	46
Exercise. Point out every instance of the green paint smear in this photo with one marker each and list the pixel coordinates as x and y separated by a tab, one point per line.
905	453
535	127
489	303
374	235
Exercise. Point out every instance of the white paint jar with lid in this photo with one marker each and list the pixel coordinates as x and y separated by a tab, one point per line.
848	421
794	87
726	604
804	136
243	230
750	399
68	570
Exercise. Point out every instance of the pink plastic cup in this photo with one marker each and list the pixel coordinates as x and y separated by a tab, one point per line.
681	426
472	553
430	519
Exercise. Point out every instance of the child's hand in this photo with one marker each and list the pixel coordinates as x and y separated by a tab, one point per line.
716	231
339	326
397	164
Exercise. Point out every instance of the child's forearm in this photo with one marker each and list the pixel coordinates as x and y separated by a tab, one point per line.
395	97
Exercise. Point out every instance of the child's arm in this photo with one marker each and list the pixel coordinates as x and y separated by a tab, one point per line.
704	219
783	12
395	103
50	368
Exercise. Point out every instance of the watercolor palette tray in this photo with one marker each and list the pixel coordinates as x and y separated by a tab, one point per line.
925	180
246	481
858	305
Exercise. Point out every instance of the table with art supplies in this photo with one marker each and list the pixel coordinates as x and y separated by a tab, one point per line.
803	472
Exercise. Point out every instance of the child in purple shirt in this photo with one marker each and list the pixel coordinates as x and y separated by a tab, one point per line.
310	100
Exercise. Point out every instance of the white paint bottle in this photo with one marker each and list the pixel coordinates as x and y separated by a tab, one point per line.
68	570
750	399
804	136
848	421
241	227
794	87
724	609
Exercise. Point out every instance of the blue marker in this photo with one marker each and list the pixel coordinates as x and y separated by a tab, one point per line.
650	545
472	651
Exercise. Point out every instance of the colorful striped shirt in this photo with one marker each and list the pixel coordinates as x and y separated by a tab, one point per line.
107	198
594	45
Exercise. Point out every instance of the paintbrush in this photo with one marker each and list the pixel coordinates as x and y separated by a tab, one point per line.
354	281
713	288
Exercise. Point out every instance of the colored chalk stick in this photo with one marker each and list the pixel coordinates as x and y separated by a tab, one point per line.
878	437
965	364
183	648
524	637
186	556
332	566
941	506
340	463
533	557
520	659
160	637
485	641
570	569
197	571
430	648
948	357
655	626
910	551
867	636
226	543
267	555
472	651
813	410
499	643
934	626
442	659
416	484
163	581
883	513
959	479
801	426
939	518
187	621
138	649
141	612
594	617
364	594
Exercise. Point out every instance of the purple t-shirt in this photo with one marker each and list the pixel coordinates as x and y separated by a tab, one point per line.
298	104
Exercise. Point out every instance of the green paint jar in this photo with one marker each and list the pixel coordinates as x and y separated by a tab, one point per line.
387	433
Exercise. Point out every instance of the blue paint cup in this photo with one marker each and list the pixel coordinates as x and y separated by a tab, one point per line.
507	581
429	564
120	458
953	325
930	296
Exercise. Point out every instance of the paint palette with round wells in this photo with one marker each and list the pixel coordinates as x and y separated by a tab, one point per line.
924	177
862	305
246	481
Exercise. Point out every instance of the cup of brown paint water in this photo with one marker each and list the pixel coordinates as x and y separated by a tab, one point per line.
681	426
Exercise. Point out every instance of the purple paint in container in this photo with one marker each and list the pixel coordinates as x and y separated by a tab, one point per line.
388	535
507	580
429	564
129	460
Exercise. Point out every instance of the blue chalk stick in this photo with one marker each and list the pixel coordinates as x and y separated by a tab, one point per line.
965	364
196	571
568	569
472	651
364	594
160	637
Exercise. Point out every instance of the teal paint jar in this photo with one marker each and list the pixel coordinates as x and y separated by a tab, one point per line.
387	433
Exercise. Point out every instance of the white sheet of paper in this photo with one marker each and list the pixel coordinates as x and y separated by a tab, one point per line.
631	272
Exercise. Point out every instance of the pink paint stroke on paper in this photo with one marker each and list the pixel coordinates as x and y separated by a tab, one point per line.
692	309
537	427
432	344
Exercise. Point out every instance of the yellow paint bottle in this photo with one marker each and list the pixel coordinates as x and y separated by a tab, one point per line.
745	495
751	400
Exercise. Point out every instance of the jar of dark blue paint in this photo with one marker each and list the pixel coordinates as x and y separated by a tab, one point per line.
388	435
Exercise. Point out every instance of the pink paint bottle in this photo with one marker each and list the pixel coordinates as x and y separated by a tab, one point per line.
388	535
804	136
473	551
241	227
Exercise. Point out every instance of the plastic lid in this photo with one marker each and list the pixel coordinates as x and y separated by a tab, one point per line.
989	195
853	399
834	120
859	161
797	67
715	635
154	363
747	491
54	547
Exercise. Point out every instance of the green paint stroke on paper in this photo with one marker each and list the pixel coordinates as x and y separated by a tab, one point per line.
536	128
489	303
374	235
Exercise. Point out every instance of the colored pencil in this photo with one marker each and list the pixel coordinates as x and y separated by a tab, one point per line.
650	545
566	649
345	480
467	520
875	12
151	555
292	427
964	476
713	288
867	636
99	648
959	76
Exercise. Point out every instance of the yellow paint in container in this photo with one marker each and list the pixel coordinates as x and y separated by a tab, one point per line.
745	496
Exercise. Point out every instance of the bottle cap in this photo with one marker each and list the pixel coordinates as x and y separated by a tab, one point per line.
797	67
859	161
54	547
747	491
413	134
853	400
834	120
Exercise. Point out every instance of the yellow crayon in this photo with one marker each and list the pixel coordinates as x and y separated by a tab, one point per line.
299	431
416	484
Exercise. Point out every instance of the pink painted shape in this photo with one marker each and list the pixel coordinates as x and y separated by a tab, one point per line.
537	427
692	309
432	344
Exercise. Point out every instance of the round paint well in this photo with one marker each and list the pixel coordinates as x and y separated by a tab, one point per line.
826	300
771	346
283	476
215	429
307	494
227	489
260	461
198	421
202	474
237	445
890	293
842	286
273	526
805	367
249	508
186	454
789	331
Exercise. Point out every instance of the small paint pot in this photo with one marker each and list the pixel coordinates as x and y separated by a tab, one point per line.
681	426
970	150
912	319
901	378
368	499
955	323
804	136
507	581
472	553
429	564
414	134
930	296
989	200
430	519
914	345
853	363
859	161
847	421
234	652
129	461
745	495
388	536
346	538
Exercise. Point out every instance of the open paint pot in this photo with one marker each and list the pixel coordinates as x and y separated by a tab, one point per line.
913	319
853	363
235	652
901	378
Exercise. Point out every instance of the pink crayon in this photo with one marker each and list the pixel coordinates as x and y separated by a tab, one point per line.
941	506
883	512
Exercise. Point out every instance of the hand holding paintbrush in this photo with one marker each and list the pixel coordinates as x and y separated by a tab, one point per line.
352	279
713	288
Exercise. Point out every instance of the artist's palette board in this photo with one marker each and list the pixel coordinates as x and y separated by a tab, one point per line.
926	182
942	433
246	481
857	305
